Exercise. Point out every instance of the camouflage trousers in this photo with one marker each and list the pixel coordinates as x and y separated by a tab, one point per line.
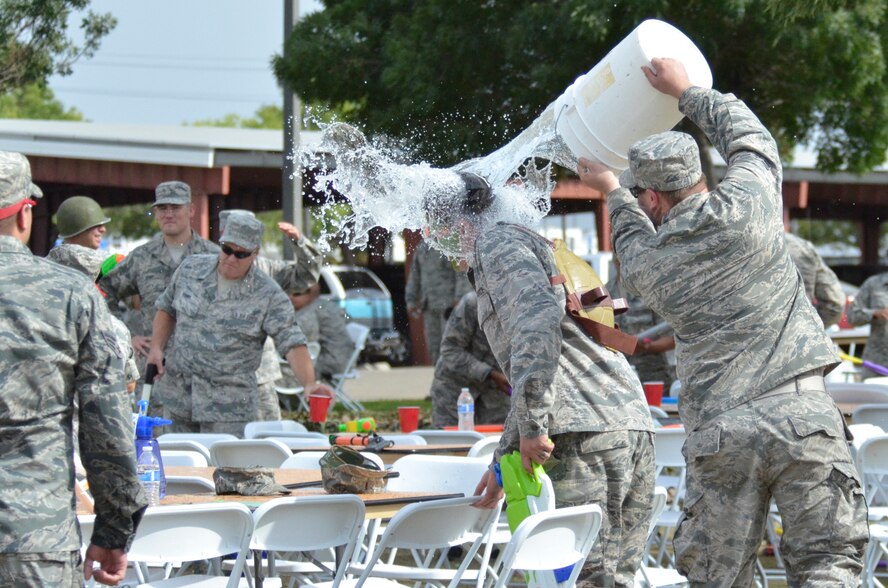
59	569
616	471
182	425
789	446
267	403
433	322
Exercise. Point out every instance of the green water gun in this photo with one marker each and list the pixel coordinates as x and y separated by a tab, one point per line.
526	494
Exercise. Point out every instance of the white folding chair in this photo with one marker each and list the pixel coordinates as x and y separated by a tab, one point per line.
193	532
253	429
872	463
327	521
314	349
245	453
358	334
404	438
657	414
184	445
857	392
309	460
550	540
300	443
436	437
188	485
437	473
291	435
871	414
655	577
485	447
205	439
428	529
670	471
183	458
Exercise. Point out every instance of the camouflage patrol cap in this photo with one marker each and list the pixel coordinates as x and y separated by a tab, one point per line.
346	471
247	482
225	214
663	162
243	230
15	182
173	192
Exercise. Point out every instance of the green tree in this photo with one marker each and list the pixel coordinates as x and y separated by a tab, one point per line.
35	101
34	41
268	116
456	79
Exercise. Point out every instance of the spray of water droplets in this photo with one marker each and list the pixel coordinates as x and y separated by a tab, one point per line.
386	192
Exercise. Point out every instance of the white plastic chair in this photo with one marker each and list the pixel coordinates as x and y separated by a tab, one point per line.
485	447
437	473
551	540
657	414
245	453
205	439
290	435
404	438
428	530
300	443
358	334
871	414
252	429
193	532
670	471
309	460
327	521
184	445
872	463
655	577
183	458
188	485
857	392
436	437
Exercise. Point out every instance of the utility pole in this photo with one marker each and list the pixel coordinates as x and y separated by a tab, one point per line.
291	179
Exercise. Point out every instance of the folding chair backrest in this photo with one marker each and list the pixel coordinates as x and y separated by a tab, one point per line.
435	437
309	523
438	473
188	485
872	463
193	532
308	460
244	453
404	439
252	430
670	465
857	392
551	540
871	414
658	505
291	435
183	458
184	445
485	447
300	443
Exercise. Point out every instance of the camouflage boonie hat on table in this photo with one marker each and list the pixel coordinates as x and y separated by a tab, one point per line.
663	162
15	180
243	230
247	482
346	471
174	192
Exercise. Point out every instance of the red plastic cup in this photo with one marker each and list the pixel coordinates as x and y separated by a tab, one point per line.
409	417
318	404
653	392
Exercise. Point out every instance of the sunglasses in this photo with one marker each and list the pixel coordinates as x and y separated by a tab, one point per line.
636	191
227	250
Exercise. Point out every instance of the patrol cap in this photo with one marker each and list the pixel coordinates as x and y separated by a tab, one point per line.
663	162
247	482
224	214
15	183
174	192
243	230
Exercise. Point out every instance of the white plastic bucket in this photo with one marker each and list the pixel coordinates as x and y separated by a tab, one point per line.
612	106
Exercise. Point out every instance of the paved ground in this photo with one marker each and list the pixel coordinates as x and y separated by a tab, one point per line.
382	382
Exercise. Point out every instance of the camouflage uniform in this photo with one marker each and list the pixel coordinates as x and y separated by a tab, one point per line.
89	261
289	275
872	296
466	362
146	272
216	346
58	347
821	284
650	367
584	396
751	351
433	286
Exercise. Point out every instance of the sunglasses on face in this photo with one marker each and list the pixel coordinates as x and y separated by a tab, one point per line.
636	191
227	250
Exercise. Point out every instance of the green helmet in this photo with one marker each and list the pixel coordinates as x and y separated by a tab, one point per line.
77	214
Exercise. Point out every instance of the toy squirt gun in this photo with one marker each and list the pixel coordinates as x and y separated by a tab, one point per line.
360	432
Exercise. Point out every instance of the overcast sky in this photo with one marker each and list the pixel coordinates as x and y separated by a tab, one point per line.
176	61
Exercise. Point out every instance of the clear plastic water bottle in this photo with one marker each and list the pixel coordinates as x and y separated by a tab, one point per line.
148	469
465	410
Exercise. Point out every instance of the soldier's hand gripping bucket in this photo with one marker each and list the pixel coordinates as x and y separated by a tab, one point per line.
346	471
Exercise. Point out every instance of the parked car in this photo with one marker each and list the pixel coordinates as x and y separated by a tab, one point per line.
366	300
